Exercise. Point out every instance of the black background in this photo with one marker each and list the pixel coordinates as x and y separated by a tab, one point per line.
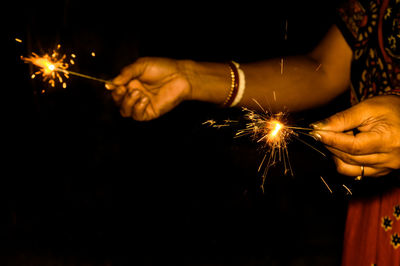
83	186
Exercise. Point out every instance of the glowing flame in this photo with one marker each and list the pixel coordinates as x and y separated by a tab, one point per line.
273	133
51	67
276	128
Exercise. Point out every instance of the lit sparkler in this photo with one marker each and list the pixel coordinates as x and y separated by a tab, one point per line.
54	68
273	133
51	67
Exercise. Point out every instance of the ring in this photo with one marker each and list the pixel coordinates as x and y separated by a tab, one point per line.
358	178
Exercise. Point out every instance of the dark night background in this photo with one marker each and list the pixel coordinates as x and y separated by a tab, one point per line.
81	185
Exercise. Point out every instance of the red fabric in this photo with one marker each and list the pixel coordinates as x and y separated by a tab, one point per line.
371	27
372	234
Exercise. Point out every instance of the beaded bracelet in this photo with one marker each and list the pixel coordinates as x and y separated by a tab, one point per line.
238	85
242	85
234	85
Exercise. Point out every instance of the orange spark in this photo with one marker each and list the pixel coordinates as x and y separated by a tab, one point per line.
273	132
277	126
326	184
51	67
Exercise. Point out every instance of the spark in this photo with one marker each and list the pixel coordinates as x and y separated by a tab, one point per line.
278	126
93	54
18	40
54	67
286	30
273	133
213	123
347	189
326	184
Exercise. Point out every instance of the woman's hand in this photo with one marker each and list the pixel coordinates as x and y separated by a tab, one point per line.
150	87
376	146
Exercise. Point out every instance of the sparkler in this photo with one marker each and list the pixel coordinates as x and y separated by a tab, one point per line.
273	133
50	66
54	68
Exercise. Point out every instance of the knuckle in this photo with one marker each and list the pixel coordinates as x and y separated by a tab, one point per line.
339	165
356	147
380	173
336	119
136	116
395	164
122	112
133	84
340	169
142	60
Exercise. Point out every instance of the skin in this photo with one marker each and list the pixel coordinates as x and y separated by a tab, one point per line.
376	146
150	87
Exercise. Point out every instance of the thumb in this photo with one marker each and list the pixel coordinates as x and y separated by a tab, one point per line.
343	121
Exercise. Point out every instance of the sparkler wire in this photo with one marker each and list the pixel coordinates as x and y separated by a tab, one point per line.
84	76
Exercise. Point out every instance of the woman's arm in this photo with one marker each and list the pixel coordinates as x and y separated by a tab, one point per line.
302	82
151	87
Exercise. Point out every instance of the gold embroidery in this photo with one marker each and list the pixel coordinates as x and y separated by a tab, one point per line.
386	223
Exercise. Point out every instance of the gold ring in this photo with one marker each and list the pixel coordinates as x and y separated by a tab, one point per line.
358	178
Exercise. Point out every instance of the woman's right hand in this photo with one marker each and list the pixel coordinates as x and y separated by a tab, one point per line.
150	87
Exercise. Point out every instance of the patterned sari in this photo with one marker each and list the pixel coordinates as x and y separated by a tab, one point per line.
372	29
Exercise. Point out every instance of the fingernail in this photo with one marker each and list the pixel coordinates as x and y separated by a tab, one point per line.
109	86
315	135
318	125
134	93
144	101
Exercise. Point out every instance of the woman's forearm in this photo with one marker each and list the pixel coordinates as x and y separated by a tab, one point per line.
297	83
294	82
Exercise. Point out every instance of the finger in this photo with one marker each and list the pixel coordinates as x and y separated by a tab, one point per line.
135	85
129	102
139	109
343	121
355	170
110	86
130	72
118	94
361	144
374	160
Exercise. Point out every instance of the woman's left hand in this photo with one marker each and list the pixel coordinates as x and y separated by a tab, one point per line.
376	146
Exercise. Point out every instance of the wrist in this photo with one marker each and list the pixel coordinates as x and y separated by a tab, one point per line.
208	82
185	68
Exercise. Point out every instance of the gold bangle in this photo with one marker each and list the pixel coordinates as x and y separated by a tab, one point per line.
234	85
